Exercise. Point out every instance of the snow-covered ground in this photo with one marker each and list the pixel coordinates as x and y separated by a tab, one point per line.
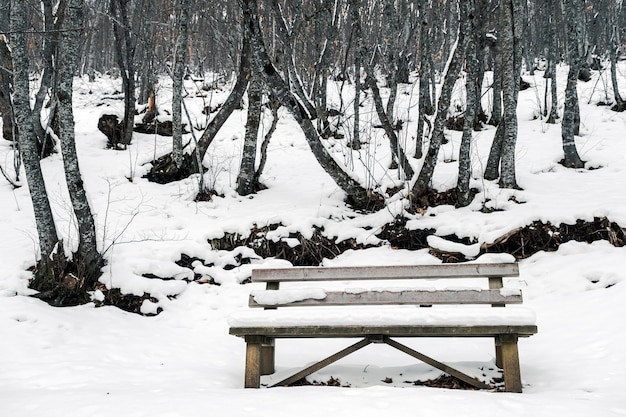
85	361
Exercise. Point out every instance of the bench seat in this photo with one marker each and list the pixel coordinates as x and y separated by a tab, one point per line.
243	322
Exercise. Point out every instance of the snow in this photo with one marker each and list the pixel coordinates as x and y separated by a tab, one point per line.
85	361
381	316
288	296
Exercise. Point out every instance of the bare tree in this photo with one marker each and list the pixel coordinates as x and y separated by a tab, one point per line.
421	186
573	15
180	54
357	195
89	260
245	180
51	264
472	94
502	152
613	43
6	79
125	52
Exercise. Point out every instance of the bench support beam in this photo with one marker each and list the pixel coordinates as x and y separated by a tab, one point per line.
436	364
323	363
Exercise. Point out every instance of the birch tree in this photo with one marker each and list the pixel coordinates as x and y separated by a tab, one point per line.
51	263
502	152
246	178
180	54
472	94
573	20
88	261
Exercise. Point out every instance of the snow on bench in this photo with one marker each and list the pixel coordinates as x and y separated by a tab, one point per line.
381	314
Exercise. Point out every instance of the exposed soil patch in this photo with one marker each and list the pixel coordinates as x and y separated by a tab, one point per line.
295	248
332	382
445	381
127	302
434	198
538	236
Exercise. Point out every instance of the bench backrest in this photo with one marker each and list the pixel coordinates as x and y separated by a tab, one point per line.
494	295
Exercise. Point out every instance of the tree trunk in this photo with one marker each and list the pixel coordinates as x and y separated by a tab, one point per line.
125	52
502	153
180	53
472	94
6	79
46	144
552	59
358	53
620	104
89	260
421	186
512	54
274	106
496	110
164	170
357	195
51	263
573	15
396	150
245	180
425	105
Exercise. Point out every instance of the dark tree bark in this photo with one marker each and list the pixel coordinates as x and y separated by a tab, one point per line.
573	15
89	260
180	55
245	180
51	264
421	186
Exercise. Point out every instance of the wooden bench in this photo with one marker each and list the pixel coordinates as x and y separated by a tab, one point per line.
382	315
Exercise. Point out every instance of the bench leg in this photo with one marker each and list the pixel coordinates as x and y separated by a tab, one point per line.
252	377
510	363
498	346
267	357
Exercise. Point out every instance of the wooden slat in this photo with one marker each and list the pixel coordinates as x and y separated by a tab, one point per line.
391	331
323	363
385	272
412	297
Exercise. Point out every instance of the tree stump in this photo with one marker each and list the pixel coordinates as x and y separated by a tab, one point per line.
110	125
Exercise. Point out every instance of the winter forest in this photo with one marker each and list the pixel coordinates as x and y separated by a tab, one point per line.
154	152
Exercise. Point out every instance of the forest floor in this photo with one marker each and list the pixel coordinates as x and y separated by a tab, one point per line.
186	260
